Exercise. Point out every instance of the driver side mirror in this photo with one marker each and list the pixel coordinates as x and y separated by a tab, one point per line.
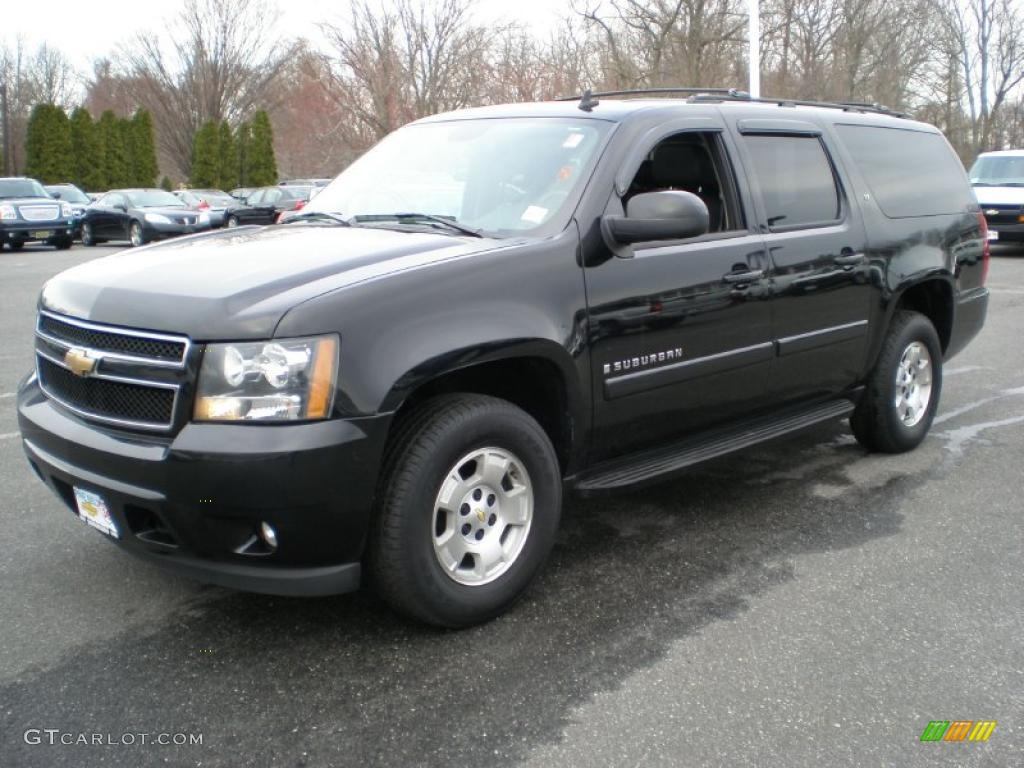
666	215
121	207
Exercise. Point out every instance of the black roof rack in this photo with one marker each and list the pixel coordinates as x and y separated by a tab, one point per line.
589	99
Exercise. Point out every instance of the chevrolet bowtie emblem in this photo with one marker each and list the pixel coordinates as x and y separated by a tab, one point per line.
79	362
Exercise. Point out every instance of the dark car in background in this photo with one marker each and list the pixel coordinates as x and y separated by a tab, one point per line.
214	202
266	204
75	197
28	213
139	216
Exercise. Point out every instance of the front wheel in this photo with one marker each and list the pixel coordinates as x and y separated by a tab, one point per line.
63	244
902	394
470	500
16	245
88	238
232	221
135	235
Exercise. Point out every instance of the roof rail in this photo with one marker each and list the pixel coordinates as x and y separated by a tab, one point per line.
589	99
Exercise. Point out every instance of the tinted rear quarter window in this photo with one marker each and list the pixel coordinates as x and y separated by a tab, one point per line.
910	173
797	185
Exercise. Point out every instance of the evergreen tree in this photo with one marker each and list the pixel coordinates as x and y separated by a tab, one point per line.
127	146
243	143
165	184
260	163
206	156
86	151
143	150
48	150
115	165
228	157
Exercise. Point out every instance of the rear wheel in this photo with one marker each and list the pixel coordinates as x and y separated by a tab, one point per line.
470	501
902	394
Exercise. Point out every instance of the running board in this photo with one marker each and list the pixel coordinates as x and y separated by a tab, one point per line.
656	464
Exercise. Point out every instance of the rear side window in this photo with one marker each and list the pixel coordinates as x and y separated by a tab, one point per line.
797	185
910	173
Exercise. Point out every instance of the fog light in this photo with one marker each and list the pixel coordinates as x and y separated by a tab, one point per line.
269	535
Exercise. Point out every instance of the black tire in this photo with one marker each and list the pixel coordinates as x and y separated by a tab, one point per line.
88	238
63	244
136	234
876	423
232	221
402	562
15	245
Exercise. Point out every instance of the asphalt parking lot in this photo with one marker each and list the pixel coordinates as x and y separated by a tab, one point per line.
801	604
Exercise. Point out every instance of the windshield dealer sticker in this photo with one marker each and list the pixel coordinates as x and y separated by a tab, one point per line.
534	214
572	141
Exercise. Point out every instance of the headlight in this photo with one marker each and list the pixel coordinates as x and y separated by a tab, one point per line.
8	212
157	218
280	380
204	218
66	211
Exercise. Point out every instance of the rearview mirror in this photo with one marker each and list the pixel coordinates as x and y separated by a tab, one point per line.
55	195
667	215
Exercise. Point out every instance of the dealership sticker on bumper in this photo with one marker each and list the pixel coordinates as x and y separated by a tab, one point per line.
93	510
993	234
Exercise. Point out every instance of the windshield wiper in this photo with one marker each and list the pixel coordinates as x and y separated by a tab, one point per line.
424	218
336	218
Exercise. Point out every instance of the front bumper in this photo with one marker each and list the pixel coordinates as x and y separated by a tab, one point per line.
32	231
1011	232
192	503
160	231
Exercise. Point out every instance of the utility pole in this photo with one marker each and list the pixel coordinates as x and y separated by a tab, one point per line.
5	126
754	42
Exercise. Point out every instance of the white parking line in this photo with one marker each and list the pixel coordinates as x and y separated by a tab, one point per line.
8	435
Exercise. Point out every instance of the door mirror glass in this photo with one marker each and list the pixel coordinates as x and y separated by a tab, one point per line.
666	215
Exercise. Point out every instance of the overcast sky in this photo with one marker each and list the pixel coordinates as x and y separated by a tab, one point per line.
90	29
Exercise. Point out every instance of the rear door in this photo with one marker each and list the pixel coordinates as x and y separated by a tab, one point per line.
821	280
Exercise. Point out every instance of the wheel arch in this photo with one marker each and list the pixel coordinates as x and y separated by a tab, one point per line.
535	375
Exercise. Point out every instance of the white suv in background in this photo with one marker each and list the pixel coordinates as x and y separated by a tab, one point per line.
998	181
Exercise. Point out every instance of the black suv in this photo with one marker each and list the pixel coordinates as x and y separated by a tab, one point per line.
28	213
492	306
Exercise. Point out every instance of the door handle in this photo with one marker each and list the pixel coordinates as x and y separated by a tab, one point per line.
743	277
849	259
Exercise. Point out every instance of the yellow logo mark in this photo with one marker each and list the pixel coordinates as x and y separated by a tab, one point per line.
982	730
480	515
79	362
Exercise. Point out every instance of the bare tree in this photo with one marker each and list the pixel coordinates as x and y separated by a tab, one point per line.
217	60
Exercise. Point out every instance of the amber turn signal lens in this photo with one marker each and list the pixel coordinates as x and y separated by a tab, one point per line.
321	382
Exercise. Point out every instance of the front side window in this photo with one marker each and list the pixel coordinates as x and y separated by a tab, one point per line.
499	176
797	185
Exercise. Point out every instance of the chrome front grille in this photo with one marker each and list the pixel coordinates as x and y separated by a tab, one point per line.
39	212
131	378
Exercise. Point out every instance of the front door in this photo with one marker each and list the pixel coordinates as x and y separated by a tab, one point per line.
680	333
821	278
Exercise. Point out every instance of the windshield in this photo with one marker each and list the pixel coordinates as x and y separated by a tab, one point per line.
151	198
21	188
69	194
498	176
211	195
998	170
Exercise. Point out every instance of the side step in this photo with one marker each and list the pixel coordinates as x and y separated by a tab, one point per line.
656	464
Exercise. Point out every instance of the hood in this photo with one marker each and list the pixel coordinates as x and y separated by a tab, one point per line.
30	201
999	195
238	283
